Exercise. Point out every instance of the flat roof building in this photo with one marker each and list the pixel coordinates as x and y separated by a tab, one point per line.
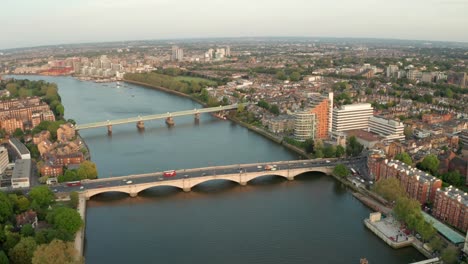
21	174
20	148
349	117
390	129
3	159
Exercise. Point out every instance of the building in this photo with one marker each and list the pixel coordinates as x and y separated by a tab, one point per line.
417	184
304	125
42	136
414	75
52	170
21	174
282	123
28	217
20	148
11	124
392	71
3	159
365	138
450	206
177	54
65	132
388	128
464	137
349	117
320	107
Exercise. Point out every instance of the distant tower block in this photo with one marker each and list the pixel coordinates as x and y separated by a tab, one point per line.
109	129
140	125
170	121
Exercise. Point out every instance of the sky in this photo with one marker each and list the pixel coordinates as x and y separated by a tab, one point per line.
26	23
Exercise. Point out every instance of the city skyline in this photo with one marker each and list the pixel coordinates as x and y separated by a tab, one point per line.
54	22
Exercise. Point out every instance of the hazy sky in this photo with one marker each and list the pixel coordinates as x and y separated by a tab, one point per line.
40	22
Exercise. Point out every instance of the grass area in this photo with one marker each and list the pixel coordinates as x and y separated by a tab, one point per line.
196	79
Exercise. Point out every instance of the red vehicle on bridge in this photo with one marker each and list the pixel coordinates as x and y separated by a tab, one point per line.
170	173
73	183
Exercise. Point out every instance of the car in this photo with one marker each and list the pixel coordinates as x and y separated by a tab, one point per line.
203	174
55	190
363	181
273	169
124	180
259	167
327	161
129	182
82	187
371	182
161	178
186	176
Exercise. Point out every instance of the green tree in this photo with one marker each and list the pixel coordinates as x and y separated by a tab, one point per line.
56	252
3	258
408	131
74	198
329	151
430	164
449	255
87	170
280	75
23	251
436	244
263	104
60	110
23	203
11	240
340	170
13	89
340	151
65	219
6	208
389	188
42	196
353	147
27	230
309	145
274	109
405	158
295	76
18	133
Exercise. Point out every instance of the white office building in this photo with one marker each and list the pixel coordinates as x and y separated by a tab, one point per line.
390	129
177	54
3	159
21	174
392	70
304	125
349	117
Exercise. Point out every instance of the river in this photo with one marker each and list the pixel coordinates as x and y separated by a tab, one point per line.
310	220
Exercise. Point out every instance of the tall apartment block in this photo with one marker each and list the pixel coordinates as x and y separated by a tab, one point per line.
177	54
450	206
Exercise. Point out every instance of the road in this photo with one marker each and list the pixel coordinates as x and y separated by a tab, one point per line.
359	162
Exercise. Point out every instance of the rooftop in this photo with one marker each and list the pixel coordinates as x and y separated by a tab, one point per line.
446	231
22	169
362	134
19	146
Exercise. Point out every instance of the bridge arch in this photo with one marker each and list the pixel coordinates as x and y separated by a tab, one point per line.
268	173
94	192
324	170
231	178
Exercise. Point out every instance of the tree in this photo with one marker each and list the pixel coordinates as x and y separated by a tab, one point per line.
263	104
309	145
65	219
353	147
3	258
390	189
274	109
60	110
436	244
280	75
408	131
27	230
87	170
6	207
23	203
11	240
23	251
405	158
295	76
340	170
74	199
329	151
18	133
57	252
340	151
449	255
42	196
430	164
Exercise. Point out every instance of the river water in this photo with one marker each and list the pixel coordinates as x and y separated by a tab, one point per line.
313	219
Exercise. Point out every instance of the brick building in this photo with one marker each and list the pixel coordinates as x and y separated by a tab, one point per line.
11	124
320	107
42	136
450	206
436	118
52	170
416	183
65	132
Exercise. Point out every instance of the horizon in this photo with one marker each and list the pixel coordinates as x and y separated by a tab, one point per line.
52	22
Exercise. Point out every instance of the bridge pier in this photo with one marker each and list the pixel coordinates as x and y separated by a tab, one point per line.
243	183
133	194
187	189
109	129
170	121
290	178
197	116
140	125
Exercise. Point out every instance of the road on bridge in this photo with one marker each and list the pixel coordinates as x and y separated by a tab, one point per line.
212	171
